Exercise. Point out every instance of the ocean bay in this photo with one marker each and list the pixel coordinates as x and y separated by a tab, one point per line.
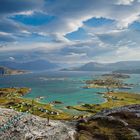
66	87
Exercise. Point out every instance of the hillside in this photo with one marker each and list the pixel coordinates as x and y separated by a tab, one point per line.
113	124
121	123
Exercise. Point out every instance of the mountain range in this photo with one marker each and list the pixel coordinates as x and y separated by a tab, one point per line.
36	65
94	66
39	65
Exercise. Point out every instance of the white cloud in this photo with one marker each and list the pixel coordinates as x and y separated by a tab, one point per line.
124	2
103	42
4	33
71	14
128	20
11	58
122	54
25	13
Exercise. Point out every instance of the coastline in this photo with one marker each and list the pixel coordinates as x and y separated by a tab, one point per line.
36	107
12	98
113	100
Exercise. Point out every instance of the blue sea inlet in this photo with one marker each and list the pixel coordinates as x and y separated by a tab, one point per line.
66	87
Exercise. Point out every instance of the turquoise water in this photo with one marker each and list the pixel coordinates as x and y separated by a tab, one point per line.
56	86
135	79
62	86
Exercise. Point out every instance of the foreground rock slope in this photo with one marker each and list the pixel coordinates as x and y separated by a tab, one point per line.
23	126
121	123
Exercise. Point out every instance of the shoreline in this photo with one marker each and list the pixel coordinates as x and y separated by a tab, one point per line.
113	100
21	104
12	98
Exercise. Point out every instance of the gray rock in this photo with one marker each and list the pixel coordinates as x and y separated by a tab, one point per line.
21	126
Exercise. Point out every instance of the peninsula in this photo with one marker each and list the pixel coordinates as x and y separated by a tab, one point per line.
8	71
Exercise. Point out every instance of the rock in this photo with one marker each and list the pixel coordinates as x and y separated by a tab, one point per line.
57	102
23	126
28	136
113	124
69	107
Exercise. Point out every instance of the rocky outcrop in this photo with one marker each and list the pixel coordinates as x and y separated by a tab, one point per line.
121	123
135	109
23	126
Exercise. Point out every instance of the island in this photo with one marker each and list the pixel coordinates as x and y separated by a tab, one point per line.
108	82
112	98
117	75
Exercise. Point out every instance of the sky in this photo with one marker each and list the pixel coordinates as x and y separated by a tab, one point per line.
70	31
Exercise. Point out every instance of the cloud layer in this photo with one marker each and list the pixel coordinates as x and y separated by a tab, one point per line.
69	31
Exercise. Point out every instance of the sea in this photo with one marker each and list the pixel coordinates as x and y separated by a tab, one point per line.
64	86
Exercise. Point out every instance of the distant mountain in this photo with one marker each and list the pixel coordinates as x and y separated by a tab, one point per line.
32	65
94	66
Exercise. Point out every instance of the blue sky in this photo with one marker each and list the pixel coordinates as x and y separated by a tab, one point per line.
70	31
36	19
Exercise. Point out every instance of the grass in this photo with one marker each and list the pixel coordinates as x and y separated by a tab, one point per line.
12	98
116	99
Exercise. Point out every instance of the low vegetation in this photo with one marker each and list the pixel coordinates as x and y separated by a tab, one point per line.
12	98
117	124
115	99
